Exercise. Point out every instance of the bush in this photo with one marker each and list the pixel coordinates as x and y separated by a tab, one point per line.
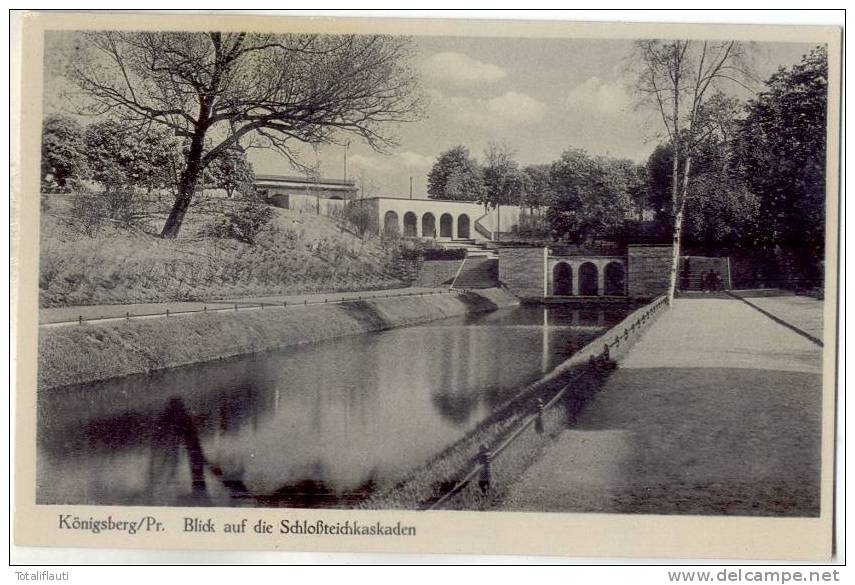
244	221
440	254
359	216
532	226
92	209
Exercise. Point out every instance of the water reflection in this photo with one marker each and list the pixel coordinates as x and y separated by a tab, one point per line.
319	425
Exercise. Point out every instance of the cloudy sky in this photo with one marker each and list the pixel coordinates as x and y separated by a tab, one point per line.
540	96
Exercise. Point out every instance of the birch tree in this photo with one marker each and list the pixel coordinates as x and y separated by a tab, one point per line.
678	78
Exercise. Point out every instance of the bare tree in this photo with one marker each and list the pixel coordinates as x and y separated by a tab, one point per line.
679	78
217	90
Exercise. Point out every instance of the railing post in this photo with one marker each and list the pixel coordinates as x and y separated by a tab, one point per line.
167	313
538	422
205	308
235	306
606	355
80	319
485	478
128	316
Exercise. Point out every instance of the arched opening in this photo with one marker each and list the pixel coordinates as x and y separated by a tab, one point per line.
446	226
463	226
588	280
615	281
336	198
562	279
428	226
390	224
410	221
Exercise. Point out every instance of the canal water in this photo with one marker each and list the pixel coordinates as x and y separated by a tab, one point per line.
324	424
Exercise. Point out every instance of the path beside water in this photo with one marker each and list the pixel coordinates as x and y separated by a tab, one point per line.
69	315
716	410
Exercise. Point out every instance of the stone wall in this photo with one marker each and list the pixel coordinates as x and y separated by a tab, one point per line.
436	273
648	270
521	271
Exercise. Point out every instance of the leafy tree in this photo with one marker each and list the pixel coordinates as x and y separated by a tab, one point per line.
721	214
678	77
455	175
465	183
781	150
539	189
232	172
219	90
129	158
63	158
504	182
658	193
590	196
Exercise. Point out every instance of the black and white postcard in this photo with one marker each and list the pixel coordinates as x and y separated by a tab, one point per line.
433	286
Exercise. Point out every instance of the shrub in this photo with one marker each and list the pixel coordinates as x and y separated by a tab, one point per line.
440	254
244	221
359	216
532	226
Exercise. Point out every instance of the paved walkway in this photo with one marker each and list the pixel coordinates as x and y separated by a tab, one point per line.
68	315
716	410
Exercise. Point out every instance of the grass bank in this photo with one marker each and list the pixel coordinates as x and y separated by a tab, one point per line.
295	253
428	482
78	354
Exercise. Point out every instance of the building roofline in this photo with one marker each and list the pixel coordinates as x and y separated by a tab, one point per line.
424	199
304	180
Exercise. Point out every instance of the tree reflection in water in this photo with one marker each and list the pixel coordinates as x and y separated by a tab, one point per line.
320	425
175	431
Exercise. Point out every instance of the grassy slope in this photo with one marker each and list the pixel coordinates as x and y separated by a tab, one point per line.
296	253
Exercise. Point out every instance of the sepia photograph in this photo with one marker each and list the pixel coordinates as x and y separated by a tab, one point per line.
364	268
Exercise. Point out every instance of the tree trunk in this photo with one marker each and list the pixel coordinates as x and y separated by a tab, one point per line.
186	188
678	231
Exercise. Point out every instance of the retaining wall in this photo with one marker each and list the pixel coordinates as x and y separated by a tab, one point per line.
77	354
521	271
648	270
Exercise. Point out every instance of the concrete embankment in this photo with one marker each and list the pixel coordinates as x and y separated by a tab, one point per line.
84	353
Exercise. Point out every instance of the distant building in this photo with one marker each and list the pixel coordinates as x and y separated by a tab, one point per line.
302	193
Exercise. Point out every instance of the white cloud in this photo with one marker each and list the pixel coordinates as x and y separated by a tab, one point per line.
407	159
459	69
512	108
595	97
414	159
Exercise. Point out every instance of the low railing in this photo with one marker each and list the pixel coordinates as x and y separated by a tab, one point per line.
255	306
482	466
